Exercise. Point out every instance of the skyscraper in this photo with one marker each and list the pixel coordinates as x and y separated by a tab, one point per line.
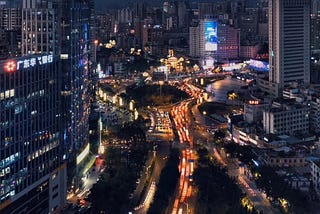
44	107
39	25
289	43
75	41
32	172
33	169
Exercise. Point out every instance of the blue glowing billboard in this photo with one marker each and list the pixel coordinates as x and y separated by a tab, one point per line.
210	32
258	65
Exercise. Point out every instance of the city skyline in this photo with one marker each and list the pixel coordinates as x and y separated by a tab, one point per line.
170	106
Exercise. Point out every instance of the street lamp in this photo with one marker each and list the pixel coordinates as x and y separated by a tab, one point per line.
161	83
95	49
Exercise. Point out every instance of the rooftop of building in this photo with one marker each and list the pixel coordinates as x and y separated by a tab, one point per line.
281	104
283	154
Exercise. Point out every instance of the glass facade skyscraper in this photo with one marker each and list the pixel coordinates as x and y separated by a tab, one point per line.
44	107
75	43
33	176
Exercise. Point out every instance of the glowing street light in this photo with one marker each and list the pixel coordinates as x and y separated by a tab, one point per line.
131	105
96	42
161	83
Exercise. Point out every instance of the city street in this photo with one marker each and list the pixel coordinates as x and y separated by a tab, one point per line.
183	202
221	87
141	206
258	198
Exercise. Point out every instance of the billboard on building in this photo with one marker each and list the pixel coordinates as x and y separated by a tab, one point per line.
210	32
259	65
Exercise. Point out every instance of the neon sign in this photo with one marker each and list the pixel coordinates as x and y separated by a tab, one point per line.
13	65
33	61
254	102
10	66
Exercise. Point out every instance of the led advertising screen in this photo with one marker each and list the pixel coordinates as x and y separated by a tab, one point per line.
210	32
258	65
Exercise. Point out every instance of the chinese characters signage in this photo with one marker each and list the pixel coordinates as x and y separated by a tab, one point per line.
13	65
33	61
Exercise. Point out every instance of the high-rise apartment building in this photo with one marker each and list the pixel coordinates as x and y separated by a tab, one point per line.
182	14
289	43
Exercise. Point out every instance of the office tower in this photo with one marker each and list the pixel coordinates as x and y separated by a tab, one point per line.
10	3
182	14
194	38
124	15
228	43
10	18
32	173
39	25
203	38
289	43
210	39
315	26
10	30
75	41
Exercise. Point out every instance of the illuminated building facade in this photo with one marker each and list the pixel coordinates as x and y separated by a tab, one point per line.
32	173
212	39
39	25
228	43
203	38
75	86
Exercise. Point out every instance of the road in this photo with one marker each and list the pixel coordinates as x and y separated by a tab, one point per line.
221	87
142	206
258	198
88	181
183	202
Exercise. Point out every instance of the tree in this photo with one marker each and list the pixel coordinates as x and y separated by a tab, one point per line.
167	184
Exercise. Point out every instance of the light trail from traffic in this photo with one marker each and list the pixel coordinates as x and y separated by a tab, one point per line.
181	120
144	206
